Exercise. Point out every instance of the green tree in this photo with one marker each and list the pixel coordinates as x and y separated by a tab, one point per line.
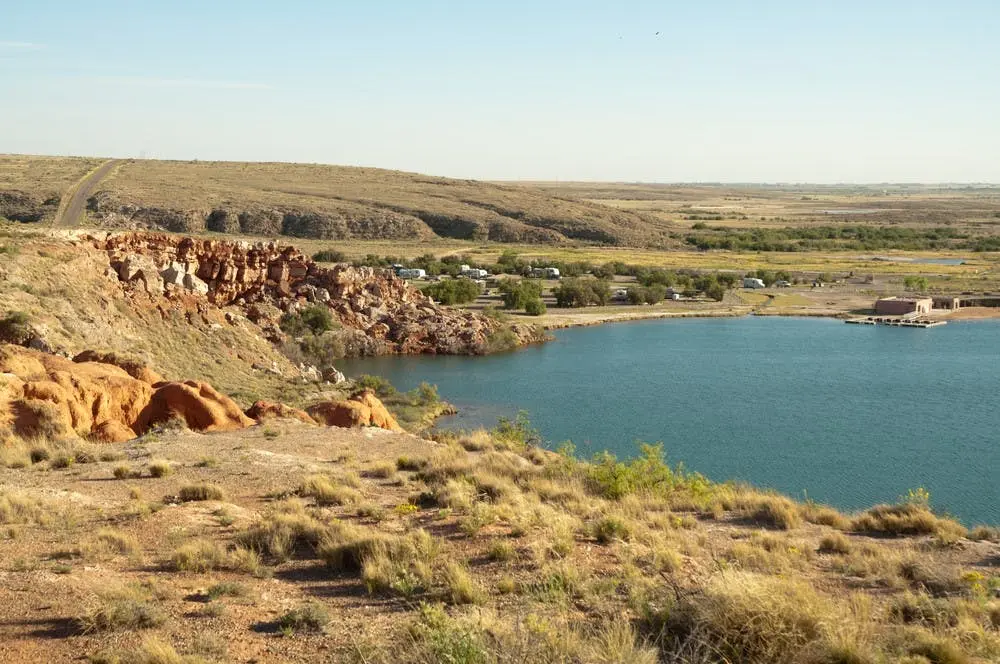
581	293
517	293
453	291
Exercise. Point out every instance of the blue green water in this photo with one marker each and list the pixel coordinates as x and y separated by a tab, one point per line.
850	415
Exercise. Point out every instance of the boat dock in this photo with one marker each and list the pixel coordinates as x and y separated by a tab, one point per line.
906	320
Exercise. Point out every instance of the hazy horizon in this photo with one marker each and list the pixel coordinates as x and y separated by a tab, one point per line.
636	92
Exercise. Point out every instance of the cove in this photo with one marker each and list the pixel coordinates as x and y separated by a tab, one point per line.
842	414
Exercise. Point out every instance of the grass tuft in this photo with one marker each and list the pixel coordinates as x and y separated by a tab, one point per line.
197	492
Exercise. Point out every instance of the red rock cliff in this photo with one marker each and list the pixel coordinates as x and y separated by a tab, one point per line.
381	313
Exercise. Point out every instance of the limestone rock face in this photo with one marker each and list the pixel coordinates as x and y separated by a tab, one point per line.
379	313
48	395
361	410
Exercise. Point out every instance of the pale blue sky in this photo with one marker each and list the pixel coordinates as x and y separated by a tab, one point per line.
780	90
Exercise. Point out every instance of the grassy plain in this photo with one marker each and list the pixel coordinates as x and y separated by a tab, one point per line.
43	176
773	206
293	543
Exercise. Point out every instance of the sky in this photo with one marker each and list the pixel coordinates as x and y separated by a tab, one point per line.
668	91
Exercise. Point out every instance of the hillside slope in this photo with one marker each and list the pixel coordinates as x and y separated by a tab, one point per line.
217	311
327	202
31	187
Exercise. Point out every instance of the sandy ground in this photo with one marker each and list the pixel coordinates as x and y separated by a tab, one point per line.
969	313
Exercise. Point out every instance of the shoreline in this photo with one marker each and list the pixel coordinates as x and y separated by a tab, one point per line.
585	320
604	319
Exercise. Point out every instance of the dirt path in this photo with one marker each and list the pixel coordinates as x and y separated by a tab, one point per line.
70	214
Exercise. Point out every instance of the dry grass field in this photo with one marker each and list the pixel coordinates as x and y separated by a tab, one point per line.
292	543
309	200
347	203
44	176
772	206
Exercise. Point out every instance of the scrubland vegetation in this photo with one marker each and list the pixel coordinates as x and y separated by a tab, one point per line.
835	238
481	547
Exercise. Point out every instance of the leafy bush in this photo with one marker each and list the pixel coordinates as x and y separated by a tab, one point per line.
315	319
534	307
515	434
501	340
581	293
517	294
615	479
453	291
648	295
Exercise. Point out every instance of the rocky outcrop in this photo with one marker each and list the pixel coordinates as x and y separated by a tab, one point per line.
266	410
361	410
133	367
379	313
338	220
22	206
47	395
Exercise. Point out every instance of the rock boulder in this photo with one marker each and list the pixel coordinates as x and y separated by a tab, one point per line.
42	394
361	410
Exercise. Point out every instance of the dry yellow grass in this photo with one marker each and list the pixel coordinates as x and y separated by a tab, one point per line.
503	553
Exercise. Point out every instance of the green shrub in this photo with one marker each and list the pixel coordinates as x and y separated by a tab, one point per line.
517	293
453	291
15	328
581	293
315	319
534	307
442	639
615	479
501	340
515	434
330	256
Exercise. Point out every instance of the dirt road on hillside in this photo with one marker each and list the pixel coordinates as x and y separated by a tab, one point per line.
72	212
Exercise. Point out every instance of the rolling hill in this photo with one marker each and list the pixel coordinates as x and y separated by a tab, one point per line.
315	201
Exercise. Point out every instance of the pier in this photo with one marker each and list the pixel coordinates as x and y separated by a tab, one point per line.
906	320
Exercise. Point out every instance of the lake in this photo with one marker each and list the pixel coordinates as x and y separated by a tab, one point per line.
850	415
